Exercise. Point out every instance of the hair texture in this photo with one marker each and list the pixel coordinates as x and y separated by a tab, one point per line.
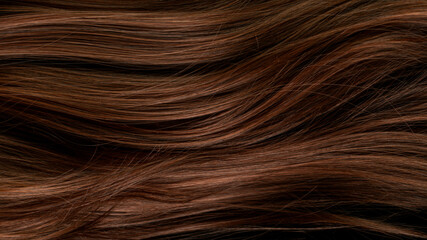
228	119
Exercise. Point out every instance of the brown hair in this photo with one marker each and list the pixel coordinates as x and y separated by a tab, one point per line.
205	119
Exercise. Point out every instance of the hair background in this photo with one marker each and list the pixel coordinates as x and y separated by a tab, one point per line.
213	119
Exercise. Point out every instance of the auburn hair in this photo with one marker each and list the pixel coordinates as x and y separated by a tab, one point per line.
228	119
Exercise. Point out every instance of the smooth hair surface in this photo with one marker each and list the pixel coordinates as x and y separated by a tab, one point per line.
228	119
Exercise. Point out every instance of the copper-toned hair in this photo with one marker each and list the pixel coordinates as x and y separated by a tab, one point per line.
197	119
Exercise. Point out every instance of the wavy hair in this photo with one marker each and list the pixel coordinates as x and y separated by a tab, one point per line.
237	119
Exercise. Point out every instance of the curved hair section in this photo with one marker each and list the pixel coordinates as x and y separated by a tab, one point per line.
235	119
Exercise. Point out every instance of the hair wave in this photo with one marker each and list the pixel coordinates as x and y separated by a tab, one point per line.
213	119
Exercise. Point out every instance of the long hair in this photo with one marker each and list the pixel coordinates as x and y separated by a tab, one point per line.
237	119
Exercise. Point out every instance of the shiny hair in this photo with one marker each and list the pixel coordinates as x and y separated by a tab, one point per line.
235	119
